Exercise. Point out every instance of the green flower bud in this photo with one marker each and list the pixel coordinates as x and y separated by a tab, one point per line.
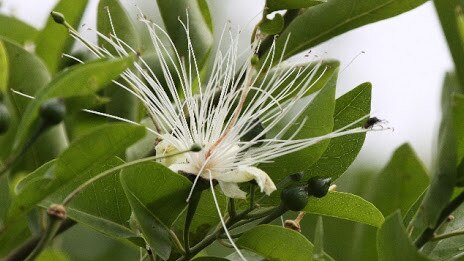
318	186
254	60
295	198
53	111
195	148
5	119
57	17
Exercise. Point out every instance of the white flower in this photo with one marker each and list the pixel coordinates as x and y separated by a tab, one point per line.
221	112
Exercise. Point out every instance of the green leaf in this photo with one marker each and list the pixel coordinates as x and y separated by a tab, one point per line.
325	21
400	183
446	9
83	155
160	190
3	70
342	151
122	103
346	206
393	243
54	39
276	243
52	142
450	248
79	80
155	232
318	254
319	114
274	5
52	254
199	22
210	258
444	177
458	111
272	26
103	205
16	30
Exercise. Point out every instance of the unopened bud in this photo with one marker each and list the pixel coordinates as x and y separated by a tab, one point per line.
53	111
196	148
57	17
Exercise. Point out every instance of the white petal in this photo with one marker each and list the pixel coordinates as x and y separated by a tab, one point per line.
244	174
184	167
232	190
264	181
164	148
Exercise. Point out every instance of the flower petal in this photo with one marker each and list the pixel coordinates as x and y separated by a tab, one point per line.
244	174
184	167
232	190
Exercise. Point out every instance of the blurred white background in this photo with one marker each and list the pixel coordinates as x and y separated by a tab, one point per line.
405	59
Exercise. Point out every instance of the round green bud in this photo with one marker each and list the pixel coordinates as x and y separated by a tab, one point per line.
295	198
318	186
5	119
57	17
195	148
53	111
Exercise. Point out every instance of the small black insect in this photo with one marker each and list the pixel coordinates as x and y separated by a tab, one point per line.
371	122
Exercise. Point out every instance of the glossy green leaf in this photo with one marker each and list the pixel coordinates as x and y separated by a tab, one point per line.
157	196
155	232
200	30
276	243
122	103
342	151
17	30
103	205
274	5
447	10
444	177
3	69
160	190
346	206
79	80
400	183
13	234
54	39
91	150
51	143
393	243
325	21
319	115
272	26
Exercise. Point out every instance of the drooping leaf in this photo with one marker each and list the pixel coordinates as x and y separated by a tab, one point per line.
393	243
54	39
80	80
325	21
17	30
276	243
274	5
346	206
342	151
319	121
112	16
